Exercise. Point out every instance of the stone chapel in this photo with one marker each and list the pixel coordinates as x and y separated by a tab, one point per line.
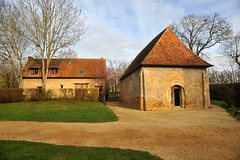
166	75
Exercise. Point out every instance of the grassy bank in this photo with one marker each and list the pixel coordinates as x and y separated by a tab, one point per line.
231	110
56	111
18	150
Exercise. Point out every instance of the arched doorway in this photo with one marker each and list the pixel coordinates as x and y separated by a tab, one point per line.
178	96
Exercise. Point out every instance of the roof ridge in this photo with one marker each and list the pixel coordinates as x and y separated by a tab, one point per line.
163	32
142	55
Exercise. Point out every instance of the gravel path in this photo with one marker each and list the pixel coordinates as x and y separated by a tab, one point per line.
171	134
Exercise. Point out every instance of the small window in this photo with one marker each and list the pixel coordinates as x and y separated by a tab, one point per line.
54	71
34	71
39	86
70	62
61	86
81	72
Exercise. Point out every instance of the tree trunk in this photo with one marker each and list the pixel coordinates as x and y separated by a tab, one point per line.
15	73
115	87
44	75
44	80
20	80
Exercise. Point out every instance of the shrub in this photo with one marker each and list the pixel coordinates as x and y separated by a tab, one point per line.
237	94
224	105
230	93
87	94
33	94
11	95
67	93
48	95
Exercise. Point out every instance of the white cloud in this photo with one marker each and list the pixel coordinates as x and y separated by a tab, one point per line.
132	17
122	28
101	41
221	62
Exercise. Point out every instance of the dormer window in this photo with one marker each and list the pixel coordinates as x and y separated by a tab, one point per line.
53	71
34	71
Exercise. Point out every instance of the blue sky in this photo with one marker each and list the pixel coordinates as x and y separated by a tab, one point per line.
120	29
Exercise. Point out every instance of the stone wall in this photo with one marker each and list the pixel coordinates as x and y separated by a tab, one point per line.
67	83
130	90
155	86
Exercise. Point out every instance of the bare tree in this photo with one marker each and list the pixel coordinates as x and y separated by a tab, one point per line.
232	48
227	76
115	69
13	44
52	26
202	32
217	77
7	76
66	54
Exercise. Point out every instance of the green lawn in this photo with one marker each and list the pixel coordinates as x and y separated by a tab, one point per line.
56	111
21	150
217	102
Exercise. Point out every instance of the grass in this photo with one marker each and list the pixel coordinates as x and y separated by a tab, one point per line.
56	111
21	150
219	103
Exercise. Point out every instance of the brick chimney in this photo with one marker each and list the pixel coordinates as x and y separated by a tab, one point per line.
30	58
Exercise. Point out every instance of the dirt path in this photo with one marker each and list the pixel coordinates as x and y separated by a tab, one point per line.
171	134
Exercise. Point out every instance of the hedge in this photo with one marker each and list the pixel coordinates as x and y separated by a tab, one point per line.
87	94
35	94
11	95
230	93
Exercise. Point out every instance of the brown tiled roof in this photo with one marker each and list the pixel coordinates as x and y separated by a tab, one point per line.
70	68
37	64
166	50
55	63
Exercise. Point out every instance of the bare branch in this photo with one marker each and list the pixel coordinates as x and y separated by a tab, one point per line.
202	32
232	48
52	26
13	44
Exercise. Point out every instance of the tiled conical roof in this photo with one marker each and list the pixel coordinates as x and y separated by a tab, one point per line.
166	50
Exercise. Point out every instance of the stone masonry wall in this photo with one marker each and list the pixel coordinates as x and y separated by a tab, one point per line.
130	90
159	81
150	88
56	83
